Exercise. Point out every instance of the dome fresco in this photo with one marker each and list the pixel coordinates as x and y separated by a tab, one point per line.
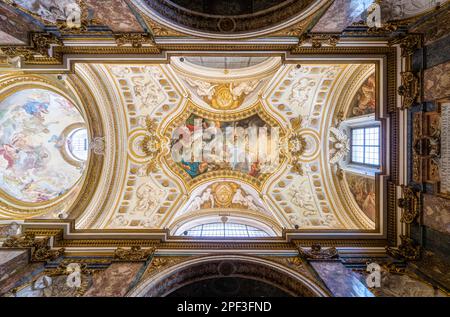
33	128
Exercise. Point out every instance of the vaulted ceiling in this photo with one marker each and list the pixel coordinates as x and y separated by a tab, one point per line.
138	185
136	71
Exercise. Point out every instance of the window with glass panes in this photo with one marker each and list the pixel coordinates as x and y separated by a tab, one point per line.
219	229
77	144
366	146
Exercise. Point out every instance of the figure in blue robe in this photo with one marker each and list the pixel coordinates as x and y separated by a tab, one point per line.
35	108
192	168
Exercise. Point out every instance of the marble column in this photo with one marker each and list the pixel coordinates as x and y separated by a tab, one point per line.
16	269
115	281
11	262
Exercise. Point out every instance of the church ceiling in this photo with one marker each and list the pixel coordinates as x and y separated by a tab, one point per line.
149	111
204	19
142	96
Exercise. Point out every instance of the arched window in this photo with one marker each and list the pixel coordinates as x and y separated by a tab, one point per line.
225	229
77	144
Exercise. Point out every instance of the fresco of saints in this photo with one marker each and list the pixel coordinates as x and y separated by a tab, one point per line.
364	102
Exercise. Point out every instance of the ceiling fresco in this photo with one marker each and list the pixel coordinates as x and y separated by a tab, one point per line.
34	161
364	101
156	189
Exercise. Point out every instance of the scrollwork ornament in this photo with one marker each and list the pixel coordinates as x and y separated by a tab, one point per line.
317	253
40	249
296	145
137	40
386	28
134	254
410	203
409	43
151	145
409	90
41	42
98	145
407	250
318	40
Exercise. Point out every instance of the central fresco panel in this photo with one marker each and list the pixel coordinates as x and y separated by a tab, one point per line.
249	165
195	141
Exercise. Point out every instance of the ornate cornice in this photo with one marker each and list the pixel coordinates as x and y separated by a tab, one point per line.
40	44
409	43
40	249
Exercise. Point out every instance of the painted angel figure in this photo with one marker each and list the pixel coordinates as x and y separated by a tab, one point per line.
242	88
196	204
204	89
208	197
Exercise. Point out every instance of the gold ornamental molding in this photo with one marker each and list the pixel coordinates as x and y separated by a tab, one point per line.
410	204
62	234
136	40
317	253
40	44
407	250
317	40
409	43
409	89
40	248
134	254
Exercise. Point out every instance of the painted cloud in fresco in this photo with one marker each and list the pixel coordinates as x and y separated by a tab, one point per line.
32	168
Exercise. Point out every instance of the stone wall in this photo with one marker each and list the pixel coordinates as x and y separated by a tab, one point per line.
432	230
